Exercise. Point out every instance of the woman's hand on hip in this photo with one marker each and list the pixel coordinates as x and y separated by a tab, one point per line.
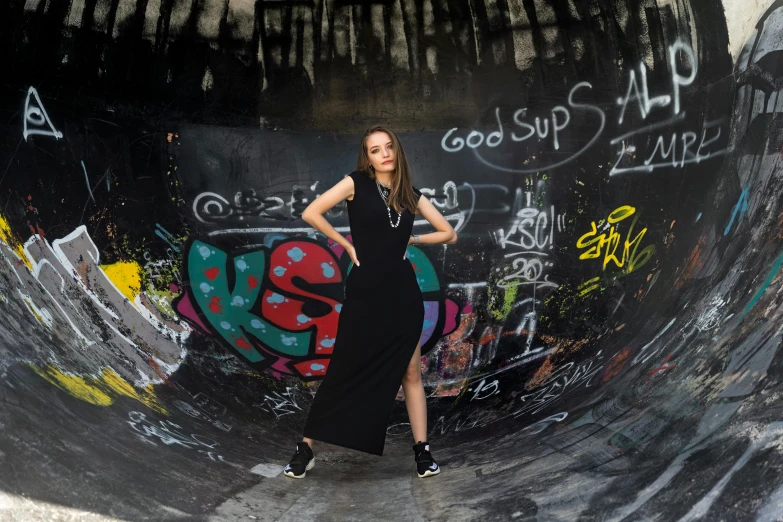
352	252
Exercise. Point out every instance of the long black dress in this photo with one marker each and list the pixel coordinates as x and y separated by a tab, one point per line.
379	327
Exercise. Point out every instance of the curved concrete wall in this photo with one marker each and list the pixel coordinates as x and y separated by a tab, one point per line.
601	343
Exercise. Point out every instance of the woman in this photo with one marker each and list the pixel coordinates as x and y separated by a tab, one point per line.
377	346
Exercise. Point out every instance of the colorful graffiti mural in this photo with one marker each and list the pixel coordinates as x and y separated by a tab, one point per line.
278	307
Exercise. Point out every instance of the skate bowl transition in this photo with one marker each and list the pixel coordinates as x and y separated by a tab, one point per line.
603	342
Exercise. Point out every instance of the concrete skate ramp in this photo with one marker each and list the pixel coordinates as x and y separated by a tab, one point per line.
602	343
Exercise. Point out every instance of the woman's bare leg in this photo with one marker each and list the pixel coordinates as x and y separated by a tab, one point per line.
309	441
415	399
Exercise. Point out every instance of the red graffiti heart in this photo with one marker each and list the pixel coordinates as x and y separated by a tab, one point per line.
252	281
243	344
212	273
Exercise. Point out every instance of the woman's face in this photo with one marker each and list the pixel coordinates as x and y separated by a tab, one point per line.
381	152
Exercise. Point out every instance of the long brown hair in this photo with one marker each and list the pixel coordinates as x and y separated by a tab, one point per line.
401	194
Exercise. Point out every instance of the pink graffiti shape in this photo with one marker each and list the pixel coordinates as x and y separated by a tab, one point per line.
185	309
452	311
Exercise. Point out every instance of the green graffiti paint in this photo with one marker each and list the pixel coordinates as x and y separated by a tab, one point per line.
497	309
425	272
775	268
229	312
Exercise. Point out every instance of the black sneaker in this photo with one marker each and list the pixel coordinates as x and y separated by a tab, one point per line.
302	461
425	464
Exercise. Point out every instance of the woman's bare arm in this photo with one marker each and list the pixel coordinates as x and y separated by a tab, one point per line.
445	232
314	212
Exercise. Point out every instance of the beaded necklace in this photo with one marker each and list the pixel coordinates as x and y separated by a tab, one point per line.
384	192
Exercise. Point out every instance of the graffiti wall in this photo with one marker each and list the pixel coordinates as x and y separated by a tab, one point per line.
611	168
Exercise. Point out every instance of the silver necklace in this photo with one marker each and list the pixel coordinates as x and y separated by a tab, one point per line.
384	196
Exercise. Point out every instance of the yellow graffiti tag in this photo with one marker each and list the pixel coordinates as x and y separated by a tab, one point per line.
606	244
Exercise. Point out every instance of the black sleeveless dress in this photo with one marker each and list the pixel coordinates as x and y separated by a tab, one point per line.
380	324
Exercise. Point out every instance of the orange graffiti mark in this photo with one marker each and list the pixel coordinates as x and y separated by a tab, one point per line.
160	372
694	264
616	365
564	345
466	324
456	359
448	390
487	337
36	230
543	373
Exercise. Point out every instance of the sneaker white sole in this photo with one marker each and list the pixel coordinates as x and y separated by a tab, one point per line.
428	473
310	466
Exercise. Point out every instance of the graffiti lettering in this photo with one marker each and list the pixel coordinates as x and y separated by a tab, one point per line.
677	150
536	236
560	117
565	378
280	404
167	432
188	409
606	244
67	288
645	103
209	207
484	390
283	306
36	121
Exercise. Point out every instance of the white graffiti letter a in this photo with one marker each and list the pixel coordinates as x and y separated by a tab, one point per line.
641	98
35	115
